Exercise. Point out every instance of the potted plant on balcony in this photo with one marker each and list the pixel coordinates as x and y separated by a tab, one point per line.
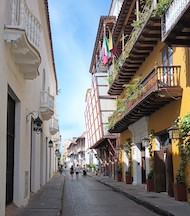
161	7
150	181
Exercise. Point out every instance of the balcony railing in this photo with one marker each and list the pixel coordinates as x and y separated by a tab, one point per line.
54	126
162	84
172	15
22	31
147	11
46	105
20	17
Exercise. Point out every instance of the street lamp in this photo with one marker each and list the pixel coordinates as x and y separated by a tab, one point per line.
126	147
173	132
38	125
58	156
50	146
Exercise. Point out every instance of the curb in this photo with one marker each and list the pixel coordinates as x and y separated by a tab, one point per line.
144	203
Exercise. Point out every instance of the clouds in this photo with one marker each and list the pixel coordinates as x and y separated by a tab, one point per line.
74	27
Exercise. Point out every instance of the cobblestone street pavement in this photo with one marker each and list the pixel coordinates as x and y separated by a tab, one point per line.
161	203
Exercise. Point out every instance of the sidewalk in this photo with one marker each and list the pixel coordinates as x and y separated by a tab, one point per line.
158	202
47	201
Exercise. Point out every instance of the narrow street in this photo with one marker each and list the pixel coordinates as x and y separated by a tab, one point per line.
87	197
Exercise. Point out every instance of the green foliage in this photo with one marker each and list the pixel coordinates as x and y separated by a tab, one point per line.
132	90
132	38
161	7
185	125
117	113
150	175
180	176
129	155
142	14
91	165
119	168
113	74
183	146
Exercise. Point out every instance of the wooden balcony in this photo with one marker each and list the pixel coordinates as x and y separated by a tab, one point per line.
46	105
124	21
22	34
157	89
175	24
140	44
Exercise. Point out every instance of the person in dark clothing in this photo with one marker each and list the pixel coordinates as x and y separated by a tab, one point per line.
72	171
84	171
60	169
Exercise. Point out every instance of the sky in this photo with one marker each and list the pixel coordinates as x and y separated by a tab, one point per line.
74	25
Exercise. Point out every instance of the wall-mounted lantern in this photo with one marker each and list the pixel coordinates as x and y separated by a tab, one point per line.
38	125
145	141
58	154
126	147
173	132
50	144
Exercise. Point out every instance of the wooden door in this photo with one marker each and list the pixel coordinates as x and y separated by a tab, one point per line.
159	171
10	149
169	170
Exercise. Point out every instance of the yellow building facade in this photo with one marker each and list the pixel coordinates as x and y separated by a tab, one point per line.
160	96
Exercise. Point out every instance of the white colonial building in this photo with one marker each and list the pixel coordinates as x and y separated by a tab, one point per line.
28	87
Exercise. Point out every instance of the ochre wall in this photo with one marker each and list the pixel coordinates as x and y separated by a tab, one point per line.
165	116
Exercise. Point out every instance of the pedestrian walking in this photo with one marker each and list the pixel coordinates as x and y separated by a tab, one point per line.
97	169
60	169
77	170
84	171
72	171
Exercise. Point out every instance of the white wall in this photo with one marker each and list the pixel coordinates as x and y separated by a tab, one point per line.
27	96
139	130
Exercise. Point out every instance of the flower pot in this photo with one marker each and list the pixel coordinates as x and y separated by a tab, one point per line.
119	176
150	185
180	192
128	179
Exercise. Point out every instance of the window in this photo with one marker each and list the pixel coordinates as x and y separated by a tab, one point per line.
167	53
167	61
